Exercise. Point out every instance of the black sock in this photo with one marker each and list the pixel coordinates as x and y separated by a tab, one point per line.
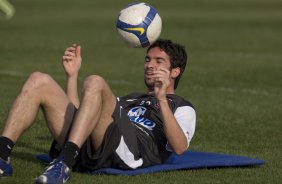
6	146
69	154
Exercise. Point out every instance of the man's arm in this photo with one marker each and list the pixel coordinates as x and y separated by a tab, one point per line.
72	62
174	134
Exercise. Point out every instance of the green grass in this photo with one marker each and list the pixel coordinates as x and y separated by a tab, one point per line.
233	76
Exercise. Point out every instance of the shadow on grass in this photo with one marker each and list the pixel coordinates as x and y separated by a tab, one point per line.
33	147
27	152
25	156
29	147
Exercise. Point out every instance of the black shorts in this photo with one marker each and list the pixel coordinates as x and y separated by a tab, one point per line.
125	146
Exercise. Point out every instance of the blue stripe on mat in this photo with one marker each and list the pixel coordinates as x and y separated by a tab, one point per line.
188	160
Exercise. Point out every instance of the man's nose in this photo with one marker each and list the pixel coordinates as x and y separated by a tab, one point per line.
151	64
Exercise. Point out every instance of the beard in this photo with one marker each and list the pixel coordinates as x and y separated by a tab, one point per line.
149	82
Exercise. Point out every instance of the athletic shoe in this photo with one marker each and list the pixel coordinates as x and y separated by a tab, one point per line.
5	168
57	172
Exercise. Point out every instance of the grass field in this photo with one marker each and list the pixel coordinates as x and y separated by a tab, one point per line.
233	78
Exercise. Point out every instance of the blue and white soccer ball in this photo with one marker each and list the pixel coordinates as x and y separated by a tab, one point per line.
139	24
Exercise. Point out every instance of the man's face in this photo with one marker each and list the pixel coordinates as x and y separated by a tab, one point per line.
154	59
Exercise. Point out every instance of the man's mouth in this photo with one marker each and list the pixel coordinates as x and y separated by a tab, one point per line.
149	73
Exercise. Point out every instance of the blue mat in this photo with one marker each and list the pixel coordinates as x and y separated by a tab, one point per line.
188	160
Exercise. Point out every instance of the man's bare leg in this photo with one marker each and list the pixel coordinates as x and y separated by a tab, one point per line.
40	90
92	119
95	112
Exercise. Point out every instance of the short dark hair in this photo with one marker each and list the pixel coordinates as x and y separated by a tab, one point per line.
176	52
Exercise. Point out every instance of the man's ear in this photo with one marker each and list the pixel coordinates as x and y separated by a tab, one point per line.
175	72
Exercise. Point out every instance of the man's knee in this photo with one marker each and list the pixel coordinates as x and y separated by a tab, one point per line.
36	80
93	83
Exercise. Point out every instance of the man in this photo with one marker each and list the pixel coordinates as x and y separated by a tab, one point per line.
100	130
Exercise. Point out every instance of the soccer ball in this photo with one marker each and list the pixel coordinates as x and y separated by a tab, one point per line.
139	24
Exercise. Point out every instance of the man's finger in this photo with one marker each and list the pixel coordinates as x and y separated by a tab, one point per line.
67	58
78	51
69	53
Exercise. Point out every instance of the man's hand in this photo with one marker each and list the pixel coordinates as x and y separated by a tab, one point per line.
72	60
162	81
